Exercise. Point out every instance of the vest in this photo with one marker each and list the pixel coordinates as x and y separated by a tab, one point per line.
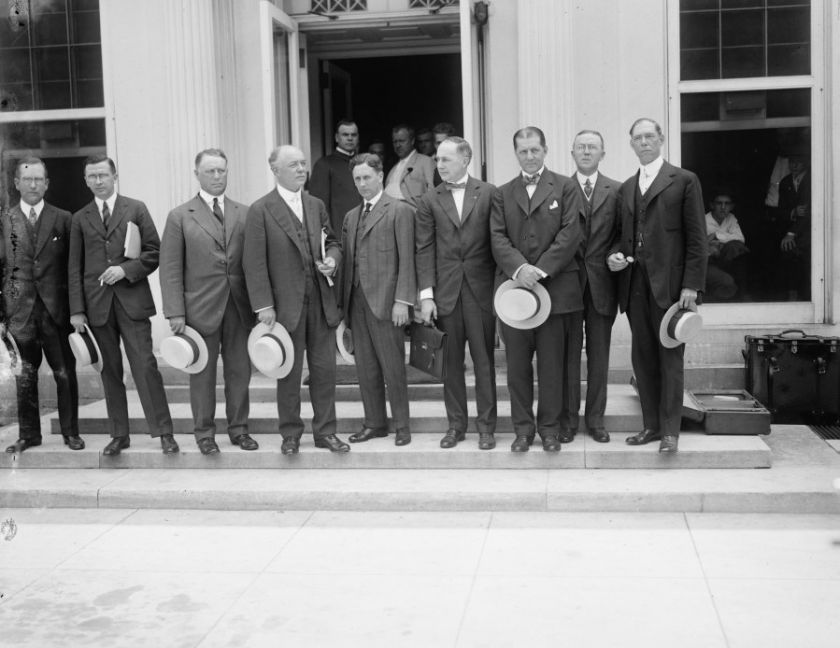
308	261
639	214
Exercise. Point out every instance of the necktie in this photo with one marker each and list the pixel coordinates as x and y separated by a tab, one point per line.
106	215
587	189
368	207
455	185
531	179
33	217
217	210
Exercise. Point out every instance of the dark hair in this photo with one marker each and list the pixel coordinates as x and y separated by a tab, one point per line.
30	161
424	131
461	145
444	128
404	127
98	158
528	131
345	122
586	131
213	152
646	119
371	159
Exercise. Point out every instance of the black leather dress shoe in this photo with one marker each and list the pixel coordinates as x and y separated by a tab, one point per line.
332	442
366	434
643	437
245	442
451	438
668	444
599	434
486	441
207	446
170	445
116	444
520	444
290	446
566	436
74	442
402	437
22	444
551	443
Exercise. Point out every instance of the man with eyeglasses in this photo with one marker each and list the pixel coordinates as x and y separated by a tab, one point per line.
34	244
660	253
110	292
203	287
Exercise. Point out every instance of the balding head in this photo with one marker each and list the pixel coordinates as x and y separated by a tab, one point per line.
288	164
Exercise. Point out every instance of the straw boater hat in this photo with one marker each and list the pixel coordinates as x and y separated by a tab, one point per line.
344	343
186	351
679	325
271	350
85	348
10	354
520	307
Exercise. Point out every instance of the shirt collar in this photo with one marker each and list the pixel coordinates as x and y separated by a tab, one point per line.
26	208
344	151
289	196
375	199
583	178
111	201
208	198
539	173
463	179
652	168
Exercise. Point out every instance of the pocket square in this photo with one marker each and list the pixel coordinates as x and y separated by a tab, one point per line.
553	205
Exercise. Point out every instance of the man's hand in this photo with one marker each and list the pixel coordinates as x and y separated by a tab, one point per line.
528	276
177	324
801	211
616	262
326	267
688	298
112	275
267	316
789	242
428	310
399	314
78	322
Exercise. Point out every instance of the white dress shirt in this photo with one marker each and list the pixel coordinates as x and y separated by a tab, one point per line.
531	188
111	201
293	200
26	208
392	186
648	173
725	231
209	198
582	181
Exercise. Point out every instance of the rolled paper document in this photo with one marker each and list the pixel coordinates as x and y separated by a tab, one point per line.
630	259
330	282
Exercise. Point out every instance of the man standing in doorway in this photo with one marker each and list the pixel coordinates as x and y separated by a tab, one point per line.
331	180
599	212
203	287
413	175
662	227
455	270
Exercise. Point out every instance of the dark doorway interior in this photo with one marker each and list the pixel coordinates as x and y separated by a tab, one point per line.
417	90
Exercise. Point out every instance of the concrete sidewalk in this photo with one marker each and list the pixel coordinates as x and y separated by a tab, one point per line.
138	578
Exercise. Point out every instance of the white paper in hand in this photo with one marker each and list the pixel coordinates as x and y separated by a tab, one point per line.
132	241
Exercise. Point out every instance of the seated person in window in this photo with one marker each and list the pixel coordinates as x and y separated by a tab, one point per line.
795	210
727	249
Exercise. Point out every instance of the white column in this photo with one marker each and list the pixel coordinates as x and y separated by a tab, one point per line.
546	97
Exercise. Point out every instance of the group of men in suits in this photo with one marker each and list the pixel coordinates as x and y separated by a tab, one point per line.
585	242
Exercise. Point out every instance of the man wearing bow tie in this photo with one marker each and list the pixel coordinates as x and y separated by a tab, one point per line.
662	227
379	287
34	245
535	237
598	213
455	270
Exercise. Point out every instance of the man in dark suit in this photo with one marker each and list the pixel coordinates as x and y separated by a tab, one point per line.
291	255
331	180
379	287
535	237
795	217
203	287
34	243
598	214
111	292
662	228
455	270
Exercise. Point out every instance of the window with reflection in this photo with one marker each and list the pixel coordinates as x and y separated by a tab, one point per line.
750	148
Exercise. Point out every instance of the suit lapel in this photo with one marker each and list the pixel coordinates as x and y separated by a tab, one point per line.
544	187
352	226
283	215
313	224
448	203
232	217
520	194
377	213
662	180
45	228
409	165
206	219
599	193
95	218
470	198
628	192
117	217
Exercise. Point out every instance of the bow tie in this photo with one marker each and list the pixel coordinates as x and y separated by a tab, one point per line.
455	185
531	179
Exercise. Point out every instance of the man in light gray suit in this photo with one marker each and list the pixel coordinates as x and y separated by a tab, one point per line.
203	286
379	287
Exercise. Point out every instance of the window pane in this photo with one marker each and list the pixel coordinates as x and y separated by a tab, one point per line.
700	64
740	62
756	152
742	28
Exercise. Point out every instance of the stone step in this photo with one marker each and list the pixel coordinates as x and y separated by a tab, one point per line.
424	452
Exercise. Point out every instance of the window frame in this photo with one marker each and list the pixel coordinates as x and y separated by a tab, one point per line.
769	313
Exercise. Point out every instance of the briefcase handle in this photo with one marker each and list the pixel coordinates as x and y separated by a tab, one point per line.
800	333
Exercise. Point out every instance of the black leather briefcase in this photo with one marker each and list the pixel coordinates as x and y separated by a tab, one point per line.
796	376
428	349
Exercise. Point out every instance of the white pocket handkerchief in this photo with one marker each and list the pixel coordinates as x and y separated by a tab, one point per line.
553	205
